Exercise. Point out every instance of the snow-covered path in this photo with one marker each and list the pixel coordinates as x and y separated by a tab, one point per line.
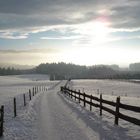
56	122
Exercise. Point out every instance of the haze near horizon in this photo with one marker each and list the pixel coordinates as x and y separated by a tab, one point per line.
72	31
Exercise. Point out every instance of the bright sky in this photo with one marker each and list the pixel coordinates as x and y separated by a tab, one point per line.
85	32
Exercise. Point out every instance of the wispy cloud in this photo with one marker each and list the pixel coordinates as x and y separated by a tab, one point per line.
41	50
37	16
13	35
62	38
30	57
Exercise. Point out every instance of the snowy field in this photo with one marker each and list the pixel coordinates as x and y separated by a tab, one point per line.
11	86
115	87
52	116
110	89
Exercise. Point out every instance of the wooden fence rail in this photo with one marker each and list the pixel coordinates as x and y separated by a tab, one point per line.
88	99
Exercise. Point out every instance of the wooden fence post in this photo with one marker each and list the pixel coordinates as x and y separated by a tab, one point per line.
30	94
24	99
61	89
1	120
90	102
33	91
84	99
75	95
79	96
71	94
15	107
64	89
100	104
117	110
68	91
36	89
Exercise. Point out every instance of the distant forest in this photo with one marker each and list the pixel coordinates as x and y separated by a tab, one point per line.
66	71
9	71
58	71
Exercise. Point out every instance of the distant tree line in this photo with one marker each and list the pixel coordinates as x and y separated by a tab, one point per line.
9	71
58	71
134	67
66	71
13	71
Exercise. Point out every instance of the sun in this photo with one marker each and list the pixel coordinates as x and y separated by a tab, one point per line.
96	31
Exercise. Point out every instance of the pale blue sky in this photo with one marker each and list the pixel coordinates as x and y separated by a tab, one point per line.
77	31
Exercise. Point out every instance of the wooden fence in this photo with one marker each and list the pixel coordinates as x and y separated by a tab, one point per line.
88	99
32	92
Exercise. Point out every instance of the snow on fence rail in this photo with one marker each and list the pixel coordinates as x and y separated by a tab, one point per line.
30	94
88	99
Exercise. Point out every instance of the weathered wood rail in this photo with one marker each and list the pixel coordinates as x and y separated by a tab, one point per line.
88	99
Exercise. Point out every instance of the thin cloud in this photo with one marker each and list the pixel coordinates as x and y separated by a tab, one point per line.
33	51
30	57
62	38
35	16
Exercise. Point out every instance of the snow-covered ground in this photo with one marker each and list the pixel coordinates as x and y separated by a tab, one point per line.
53	116
110	89
11	86
115	87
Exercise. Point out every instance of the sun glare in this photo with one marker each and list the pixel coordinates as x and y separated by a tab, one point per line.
96	31
99	32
